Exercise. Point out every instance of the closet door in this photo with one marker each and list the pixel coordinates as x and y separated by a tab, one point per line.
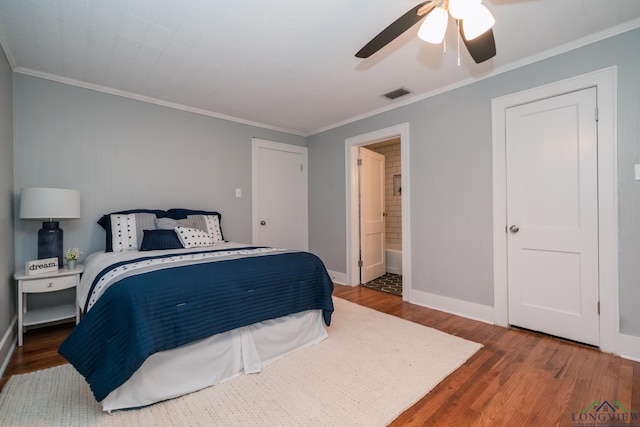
552	214
280	213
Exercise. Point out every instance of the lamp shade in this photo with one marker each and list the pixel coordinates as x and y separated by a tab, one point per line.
49	203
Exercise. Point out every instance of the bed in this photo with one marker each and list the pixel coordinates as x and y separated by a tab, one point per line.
170	307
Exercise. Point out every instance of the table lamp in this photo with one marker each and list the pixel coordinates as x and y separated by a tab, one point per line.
48	204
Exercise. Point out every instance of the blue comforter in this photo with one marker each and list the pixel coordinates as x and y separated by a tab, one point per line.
153	311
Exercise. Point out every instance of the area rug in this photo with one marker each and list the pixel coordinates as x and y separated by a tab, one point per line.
371	368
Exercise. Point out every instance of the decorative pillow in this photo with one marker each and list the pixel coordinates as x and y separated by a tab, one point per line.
160	239
171	224
194	238
124	232
105	222
180	213
209	224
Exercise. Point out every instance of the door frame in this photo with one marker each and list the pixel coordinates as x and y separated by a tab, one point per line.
256	145
605	82
351	181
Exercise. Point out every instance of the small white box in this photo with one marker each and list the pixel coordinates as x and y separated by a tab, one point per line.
41	266
636	167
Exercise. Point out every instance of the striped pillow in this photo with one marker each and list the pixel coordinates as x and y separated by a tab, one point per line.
127	230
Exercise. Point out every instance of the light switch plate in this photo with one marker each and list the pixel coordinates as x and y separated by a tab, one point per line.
238	192
637	169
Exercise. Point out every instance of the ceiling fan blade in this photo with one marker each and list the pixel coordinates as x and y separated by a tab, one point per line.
482	47
396	28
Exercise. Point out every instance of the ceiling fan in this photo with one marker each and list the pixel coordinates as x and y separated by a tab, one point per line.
474	27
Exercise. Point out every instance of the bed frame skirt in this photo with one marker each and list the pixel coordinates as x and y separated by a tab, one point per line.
219	358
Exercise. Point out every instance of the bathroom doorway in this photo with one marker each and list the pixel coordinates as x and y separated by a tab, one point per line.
390	280
402	260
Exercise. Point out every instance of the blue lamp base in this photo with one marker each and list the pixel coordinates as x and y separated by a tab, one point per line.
50	241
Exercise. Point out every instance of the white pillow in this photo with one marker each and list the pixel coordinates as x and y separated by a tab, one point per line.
194	238
124	232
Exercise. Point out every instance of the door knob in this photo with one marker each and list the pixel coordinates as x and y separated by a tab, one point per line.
263	223
514	229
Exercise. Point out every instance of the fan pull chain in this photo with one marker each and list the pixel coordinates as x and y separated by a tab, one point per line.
445	4
458	25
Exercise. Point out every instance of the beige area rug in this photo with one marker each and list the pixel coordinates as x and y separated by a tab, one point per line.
371	368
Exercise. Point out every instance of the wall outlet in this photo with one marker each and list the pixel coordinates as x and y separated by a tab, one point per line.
238	192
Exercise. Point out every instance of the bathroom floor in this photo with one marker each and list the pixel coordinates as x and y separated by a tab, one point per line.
390	283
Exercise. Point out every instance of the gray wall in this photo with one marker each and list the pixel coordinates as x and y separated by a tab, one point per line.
451	187
123	154
7	285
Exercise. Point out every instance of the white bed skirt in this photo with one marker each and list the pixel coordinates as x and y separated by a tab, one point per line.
192	367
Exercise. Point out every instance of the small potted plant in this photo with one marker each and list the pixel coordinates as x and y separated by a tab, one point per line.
72	255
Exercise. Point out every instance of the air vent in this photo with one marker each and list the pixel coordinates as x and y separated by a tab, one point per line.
397	93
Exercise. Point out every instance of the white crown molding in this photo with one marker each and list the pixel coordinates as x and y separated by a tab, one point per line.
148	99
592	38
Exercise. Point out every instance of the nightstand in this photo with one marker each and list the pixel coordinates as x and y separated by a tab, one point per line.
41	283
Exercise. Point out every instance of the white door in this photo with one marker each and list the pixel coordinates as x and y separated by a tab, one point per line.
552	216
280	195
372	237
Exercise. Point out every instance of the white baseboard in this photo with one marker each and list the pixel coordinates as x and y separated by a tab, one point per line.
629	347
8	344
340	278
470	310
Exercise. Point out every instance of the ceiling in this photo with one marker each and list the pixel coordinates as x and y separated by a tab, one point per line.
283	64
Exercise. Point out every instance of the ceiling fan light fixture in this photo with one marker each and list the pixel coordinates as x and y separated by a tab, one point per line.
478	22
461	9
434	26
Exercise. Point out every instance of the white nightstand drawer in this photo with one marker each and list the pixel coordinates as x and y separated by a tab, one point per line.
50	284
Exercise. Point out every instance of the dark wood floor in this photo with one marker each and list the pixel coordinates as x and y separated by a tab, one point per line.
518	378
40	351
